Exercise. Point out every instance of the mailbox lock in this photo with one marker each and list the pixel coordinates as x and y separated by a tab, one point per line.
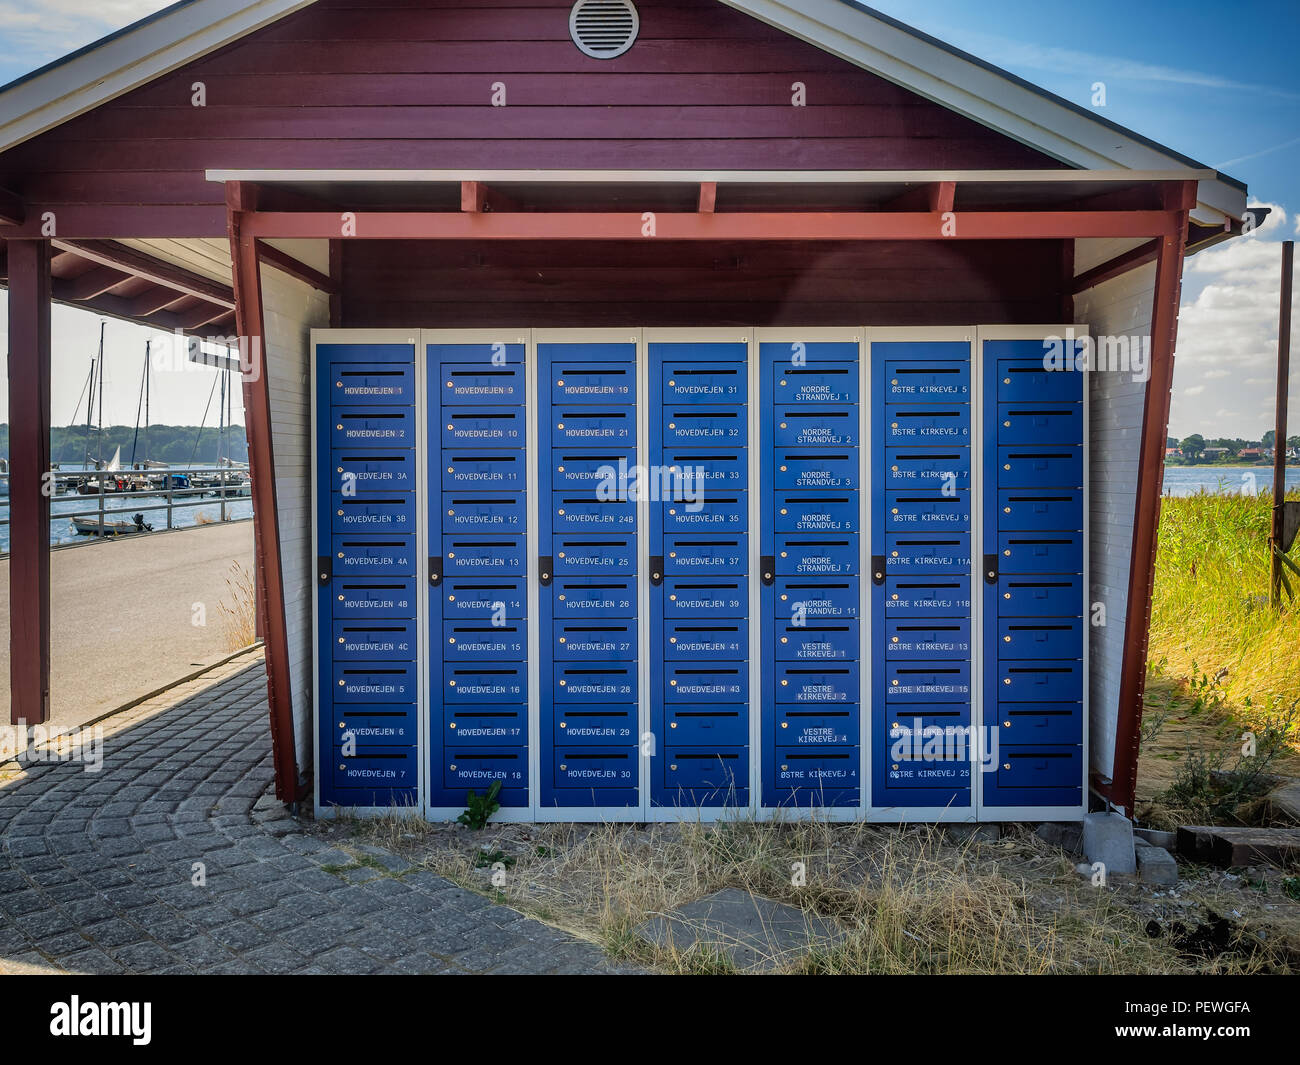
878	569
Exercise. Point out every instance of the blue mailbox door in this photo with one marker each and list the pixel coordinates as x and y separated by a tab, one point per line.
477	572
1033	575
589	697
367	672
810	573
699	573
921	525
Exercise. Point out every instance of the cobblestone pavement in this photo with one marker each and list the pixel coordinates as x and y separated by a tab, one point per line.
97	869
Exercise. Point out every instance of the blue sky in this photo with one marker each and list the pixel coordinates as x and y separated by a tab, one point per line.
1219	82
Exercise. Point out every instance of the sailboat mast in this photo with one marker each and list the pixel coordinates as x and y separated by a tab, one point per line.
90	412
99	448
148	373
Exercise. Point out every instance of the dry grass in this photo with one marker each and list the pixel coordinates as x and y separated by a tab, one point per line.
912	900
238	610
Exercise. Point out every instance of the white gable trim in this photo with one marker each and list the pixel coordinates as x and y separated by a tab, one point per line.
986	96
161	44
127	60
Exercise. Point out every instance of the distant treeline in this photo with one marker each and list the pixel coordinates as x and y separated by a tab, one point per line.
173	444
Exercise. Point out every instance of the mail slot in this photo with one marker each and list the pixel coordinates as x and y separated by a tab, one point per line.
605	641
923	381
608	471
374	641
478	767
485	598
946	726
486	383
1038	639
927	640
924	423
698	598
487	471
922	772
714	682
578	766
933	553
592	425
488	555
704	425
725	382
586	596
486	426
354	470
472	512
1030	466
593	554
505	682
593	382
707	725
823	382
818	469
1030	381
928	682
595	724
830	426
706	554
372	513
921	598
1040	595
810	556
1049	552
818	641
386	427
370	385
392	725
807	512
689	470
576	512
473	641
596	682
379	555
1047	766
814	682
802	598
376	767
822	772
913	510
720	770
379	597
1040	723
930	469
1050	680
817	726
686	641
1040	423
486	726
1043	508
716	511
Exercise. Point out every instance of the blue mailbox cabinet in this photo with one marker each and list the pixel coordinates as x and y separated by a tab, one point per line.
699	556
638	575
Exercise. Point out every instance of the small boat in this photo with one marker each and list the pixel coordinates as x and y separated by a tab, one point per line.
94	527
4	478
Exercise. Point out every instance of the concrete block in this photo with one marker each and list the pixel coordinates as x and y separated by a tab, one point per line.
1285	801
1157	838
1156	867
753	933
1068	836
1108	838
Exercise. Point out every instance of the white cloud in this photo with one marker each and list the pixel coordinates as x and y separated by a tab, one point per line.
35	32
1227	333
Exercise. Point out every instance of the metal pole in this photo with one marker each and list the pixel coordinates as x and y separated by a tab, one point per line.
1279	435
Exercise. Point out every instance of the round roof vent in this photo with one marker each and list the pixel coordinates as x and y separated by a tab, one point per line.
604	29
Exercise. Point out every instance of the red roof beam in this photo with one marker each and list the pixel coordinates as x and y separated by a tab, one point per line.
829	226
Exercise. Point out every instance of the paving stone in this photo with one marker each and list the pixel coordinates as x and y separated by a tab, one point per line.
754	933
93	962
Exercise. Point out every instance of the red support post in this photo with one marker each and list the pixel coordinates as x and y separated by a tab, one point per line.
250	320
29	495
1179	199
